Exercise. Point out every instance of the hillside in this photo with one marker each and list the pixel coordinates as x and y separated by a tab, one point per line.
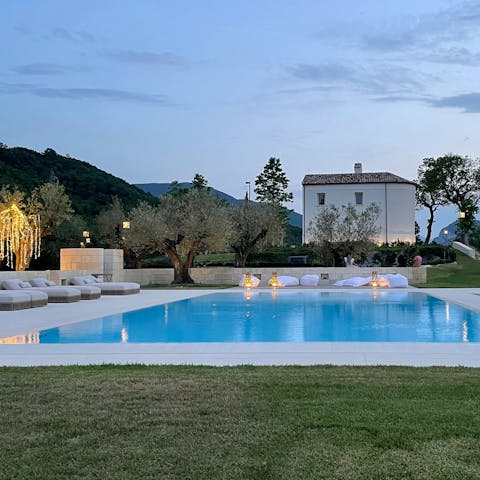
89	188
447	239
159	189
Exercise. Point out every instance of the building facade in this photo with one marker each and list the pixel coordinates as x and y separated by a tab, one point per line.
393	194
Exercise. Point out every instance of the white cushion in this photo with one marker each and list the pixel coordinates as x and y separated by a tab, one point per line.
255	281
26	285
353	282
396	280
287	281
39	282
12	284
51	283
77	281
309	280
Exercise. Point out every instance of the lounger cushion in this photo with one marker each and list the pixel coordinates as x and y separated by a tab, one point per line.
87	292
287	281
15	300
39	282
12	284
309	280
77	281
26	285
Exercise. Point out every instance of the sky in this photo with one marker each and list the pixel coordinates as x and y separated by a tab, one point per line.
156	91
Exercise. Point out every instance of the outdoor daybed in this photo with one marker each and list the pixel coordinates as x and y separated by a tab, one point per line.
55	294
13	300
87	292
107	288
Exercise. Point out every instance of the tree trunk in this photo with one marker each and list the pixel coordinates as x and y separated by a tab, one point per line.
241	256
181	272
429	225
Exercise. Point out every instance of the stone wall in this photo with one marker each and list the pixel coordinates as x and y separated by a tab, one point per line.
232	276
108	264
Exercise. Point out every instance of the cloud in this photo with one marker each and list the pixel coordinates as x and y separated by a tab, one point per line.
23	29
453	24
468	102
75	37
48	69
167	59
84	94
374	79
452	55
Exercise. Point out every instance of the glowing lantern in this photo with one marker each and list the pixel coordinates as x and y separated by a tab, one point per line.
274	281
248	282
374	281
19	236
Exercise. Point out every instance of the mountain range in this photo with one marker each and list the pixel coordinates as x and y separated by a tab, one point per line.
89	188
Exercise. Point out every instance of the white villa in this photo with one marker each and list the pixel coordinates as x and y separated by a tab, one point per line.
393	194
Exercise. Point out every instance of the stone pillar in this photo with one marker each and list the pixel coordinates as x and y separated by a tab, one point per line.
113	264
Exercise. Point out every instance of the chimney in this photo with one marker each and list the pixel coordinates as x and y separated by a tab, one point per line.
357	168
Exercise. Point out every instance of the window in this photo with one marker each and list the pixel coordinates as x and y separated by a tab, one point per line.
358	198
321	198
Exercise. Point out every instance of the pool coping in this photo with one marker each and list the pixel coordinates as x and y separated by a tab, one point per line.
219	354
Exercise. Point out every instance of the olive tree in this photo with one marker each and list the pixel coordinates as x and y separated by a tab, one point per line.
456	180
345	228
254	224
191	221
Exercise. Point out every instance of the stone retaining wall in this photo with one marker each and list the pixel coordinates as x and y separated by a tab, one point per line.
232	276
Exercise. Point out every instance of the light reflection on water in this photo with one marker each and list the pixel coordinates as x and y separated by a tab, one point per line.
279	316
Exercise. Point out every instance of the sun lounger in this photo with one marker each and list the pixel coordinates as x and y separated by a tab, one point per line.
13	300
55	294
87	292
107	288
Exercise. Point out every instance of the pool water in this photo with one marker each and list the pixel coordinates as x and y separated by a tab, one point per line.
282	316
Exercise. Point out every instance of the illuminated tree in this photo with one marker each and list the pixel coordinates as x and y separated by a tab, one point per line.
19	230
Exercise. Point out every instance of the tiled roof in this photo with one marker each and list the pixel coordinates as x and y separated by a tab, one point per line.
343	178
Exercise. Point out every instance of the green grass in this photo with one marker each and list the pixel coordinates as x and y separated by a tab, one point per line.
464	273
277	423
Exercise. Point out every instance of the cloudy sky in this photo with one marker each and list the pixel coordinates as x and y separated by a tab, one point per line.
156	90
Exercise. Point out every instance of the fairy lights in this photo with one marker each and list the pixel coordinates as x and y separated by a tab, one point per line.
19	237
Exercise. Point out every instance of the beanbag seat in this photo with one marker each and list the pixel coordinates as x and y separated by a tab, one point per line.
396	280
287	281
353	282
309	280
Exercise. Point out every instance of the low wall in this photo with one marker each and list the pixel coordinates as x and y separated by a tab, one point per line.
232	276
220	275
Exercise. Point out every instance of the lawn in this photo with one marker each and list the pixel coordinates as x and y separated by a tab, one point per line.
464	273
137	422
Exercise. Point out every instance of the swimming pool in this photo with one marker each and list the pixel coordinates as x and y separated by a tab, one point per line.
280	316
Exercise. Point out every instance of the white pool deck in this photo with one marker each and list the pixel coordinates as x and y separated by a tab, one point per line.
21	322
